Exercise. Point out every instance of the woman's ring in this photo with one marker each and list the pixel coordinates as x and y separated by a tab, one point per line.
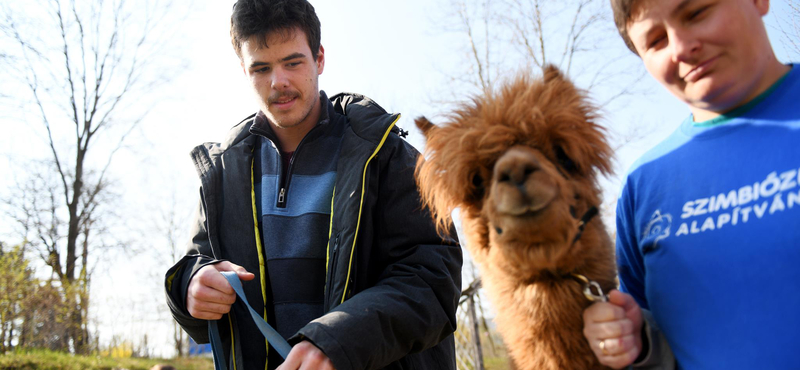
603	347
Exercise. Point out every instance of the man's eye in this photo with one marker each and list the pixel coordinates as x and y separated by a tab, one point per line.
697	13
293	64
654	43
262	70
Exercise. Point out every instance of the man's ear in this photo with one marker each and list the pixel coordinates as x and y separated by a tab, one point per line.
320	59
244	70
762	6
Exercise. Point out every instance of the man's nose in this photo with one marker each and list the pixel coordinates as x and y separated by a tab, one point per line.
280	79
683	45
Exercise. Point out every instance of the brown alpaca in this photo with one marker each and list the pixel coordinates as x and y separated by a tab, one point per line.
521	165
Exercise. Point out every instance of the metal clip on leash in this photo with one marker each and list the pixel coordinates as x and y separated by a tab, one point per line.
591	289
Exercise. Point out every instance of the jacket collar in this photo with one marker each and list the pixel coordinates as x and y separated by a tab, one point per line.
367	119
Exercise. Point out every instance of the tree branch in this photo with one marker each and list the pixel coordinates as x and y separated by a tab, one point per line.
475	55
33	84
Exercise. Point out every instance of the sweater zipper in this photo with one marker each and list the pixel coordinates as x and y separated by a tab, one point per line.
285	177
282	198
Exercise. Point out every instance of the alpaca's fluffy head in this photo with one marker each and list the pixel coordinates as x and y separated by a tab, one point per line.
521	164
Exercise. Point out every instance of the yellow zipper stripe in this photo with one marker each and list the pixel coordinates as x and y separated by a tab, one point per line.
179	269
233	344
259	247
361	205
330	232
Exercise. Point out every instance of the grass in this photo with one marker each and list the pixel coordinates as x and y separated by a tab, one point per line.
48	360
496	363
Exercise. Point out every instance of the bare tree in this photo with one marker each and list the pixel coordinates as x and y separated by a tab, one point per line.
792	32
475	22
170	225
85	68
504	37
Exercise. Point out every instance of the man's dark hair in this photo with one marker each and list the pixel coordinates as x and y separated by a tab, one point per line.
262	18
622	16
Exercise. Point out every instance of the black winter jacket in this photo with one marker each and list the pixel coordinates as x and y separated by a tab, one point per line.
392	283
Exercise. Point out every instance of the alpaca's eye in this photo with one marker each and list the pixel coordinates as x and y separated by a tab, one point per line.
564	160
477	180
477	183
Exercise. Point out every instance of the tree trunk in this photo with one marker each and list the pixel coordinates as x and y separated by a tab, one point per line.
178	336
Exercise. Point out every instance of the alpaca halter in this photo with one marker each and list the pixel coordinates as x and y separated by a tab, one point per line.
590	213
591	289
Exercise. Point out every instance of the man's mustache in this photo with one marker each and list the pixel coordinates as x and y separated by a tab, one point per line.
288	95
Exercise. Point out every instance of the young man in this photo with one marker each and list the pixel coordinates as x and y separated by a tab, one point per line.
312	202
707	222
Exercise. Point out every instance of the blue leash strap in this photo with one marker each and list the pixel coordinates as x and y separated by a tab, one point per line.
275	340
216	346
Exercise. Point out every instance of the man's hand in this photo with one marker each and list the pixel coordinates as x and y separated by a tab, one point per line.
210	295
306	356
614	329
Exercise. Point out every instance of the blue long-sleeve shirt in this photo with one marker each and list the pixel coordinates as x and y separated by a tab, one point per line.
708	235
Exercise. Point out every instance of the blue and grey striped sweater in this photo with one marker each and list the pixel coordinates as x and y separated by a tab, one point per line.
295	204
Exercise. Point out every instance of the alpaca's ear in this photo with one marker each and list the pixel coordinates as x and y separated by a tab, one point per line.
424	125
552	73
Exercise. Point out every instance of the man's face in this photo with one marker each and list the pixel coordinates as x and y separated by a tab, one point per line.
712	54
285	76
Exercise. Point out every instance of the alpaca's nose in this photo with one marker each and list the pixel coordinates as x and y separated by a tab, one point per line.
520	182
515	167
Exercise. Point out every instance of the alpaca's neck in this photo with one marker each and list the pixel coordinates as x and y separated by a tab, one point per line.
553	309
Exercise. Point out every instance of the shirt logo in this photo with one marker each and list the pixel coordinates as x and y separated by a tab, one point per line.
656	230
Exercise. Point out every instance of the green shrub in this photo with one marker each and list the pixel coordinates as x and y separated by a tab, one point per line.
49	360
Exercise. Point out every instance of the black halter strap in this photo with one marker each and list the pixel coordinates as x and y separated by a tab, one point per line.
591	289
590	213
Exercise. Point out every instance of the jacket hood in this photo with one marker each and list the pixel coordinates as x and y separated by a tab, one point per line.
360	109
